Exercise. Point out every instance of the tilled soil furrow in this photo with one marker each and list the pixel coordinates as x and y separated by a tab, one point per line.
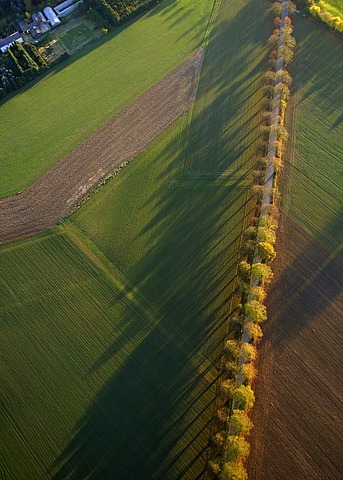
60	190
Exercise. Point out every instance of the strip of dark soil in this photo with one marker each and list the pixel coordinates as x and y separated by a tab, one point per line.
298	411
60	190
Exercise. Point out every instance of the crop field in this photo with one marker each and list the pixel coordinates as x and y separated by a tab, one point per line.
43	123
123	309
299	388
316	151
333	6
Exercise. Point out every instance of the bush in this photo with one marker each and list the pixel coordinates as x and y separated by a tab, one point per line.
254	331
236	448
231	369
244	398
266	251
255	311
248	372
217	441
234	471
266	234
240	422
214	468
231	349
227	389
258	293
248	352
244	270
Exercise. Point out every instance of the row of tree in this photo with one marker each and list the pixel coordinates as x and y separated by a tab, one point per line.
229	447
20	64
317	9
114	12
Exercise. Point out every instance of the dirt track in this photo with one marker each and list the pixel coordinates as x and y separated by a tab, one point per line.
298	411
60	190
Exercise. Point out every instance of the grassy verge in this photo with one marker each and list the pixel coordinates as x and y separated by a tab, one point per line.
41	124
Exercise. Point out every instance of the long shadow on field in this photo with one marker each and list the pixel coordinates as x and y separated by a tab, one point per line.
152	418
313	278
326	77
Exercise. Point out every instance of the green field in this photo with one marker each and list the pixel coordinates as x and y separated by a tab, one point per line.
332	6
43	123
113	324
317	147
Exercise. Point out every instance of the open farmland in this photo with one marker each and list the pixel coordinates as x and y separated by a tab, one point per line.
297	414
137	319
333	6
43	123
53	196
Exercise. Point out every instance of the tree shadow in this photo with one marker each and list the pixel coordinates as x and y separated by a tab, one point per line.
152	419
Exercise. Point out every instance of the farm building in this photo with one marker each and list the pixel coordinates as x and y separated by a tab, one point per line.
63	9
8	41
51	16
38	26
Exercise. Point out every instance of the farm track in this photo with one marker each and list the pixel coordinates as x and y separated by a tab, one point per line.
298	405
60	190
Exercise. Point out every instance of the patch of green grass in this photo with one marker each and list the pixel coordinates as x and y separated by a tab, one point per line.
122	312
77	35
332	6
317	148
43	123
85	357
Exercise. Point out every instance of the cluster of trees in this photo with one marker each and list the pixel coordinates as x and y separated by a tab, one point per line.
114	12
20	64
318	9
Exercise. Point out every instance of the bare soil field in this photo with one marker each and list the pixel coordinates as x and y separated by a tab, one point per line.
298	411
61	189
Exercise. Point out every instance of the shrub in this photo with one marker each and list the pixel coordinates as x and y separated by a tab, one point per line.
214	468
248	372
286	54
288	40
227	389
231	349
248	352
240	422
258	293
277	162
254	331
222	415
255	311
244	270
266	251
244	397
217	441
265	234
282	90
262	162
277	8
237	447
234	471
231	369
249	233
269	77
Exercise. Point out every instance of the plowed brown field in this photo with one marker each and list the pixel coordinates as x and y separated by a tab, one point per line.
298	412
60	190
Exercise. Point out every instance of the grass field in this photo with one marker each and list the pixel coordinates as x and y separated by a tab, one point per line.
317	146
332	6
122	311
41	124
